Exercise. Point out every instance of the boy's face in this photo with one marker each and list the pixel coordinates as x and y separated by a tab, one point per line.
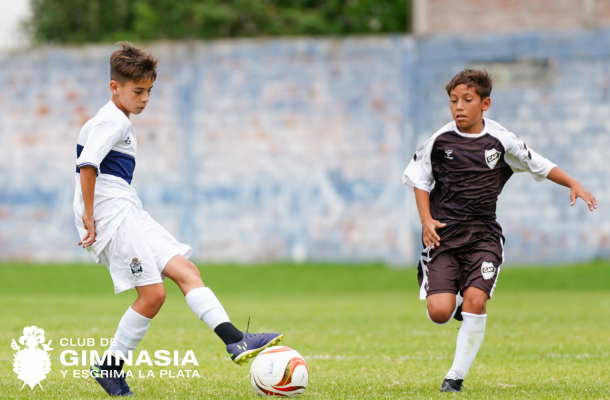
467	107
132	96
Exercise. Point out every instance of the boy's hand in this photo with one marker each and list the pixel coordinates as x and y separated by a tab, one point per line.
431	238
89	238
576	191
558	176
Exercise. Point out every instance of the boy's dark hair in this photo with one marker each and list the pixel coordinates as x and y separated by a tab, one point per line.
480	80
132	64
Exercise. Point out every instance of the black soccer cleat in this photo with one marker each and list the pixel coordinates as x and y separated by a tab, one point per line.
458	314
452	385
113	385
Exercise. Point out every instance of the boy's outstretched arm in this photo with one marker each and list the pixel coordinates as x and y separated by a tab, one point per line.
560	177
88	176
429	225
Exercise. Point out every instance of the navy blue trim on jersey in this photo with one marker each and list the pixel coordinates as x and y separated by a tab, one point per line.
79	166
115	163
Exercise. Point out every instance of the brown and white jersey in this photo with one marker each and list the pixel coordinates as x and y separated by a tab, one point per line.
465	173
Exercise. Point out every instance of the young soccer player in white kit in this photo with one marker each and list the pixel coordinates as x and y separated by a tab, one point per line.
117	231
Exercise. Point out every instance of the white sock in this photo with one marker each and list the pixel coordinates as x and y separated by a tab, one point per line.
469	341
130	332
206	306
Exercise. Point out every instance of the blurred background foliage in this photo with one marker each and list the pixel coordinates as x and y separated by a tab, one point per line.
79	21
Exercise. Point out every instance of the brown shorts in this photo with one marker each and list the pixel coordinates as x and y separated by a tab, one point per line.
470	255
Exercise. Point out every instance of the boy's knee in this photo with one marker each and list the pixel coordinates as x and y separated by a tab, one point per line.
476	305
194	270
440	315
475	301
155	298
190	274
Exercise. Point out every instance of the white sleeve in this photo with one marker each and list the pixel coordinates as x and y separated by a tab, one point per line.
419	171
102	137
522	158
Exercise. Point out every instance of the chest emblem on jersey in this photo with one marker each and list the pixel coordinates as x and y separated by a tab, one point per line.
448	154
487	270
491	157
136	267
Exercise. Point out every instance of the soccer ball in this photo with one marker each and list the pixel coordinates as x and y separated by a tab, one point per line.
279	371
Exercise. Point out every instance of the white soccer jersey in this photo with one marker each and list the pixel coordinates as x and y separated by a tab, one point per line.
107	142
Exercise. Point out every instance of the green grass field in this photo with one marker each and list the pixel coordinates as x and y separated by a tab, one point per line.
362	330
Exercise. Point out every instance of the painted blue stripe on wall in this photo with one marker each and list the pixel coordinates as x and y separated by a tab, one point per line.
115	163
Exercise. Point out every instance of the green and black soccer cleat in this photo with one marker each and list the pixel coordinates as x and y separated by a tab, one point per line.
252	344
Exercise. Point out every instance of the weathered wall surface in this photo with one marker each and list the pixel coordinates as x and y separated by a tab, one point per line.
484	16
553	91
294	149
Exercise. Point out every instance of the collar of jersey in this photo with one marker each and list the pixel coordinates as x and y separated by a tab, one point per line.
470	135
115	110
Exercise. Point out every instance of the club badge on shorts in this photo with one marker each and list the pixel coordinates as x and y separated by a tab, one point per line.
488	270
136	267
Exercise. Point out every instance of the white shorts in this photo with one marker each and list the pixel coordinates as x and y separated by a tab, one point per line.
139	251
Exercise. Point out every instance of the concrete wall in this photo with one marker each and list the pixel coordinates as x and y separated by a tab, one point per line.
294	149
483	16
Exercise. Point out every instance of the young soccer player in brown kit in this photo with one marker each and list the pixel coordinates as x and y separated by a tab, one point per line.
457	176
138	252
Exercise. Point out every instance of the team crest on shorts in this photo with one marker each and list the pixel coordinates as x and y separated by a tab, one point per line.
487	270
491	157
136	267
